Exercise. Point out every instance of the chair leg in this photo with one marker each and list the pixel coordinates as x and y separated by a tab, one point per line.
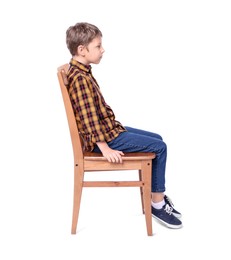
141	191
146	177
78	186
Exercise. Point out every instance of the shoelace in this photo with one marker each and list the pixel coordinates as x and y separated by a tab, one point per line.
168	209
169	201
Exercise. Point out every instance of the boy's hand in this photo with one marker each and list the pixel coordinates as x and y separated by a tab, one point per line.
113	156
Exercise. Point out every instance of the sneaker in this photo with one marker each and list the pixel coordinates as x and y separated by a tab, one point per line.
169	202
166	217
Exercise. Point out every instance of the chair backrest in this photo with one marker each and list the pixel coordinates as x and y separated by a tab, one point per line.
75	137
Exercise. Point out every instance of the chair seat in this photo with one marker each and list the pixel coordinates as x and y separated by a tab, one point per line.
90	156
131	161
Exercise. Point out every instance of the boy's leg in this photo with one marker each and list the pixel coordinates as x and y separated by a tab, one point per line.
135	141
156	196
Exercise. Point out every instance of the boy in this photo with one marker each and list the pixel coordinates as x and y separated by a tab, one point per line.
96	120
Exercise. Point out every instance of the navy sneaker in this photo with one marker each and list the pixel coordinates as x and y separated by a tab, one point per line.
169	202
166	217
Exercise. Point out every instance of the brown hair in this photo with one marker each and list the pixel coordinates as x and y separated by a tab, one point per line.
80	34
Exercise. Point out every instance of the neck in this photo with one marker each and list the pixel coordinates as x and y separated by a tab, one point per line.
81	59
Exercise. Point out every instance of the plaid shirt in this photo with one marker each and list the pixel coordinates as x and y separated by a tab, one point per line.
95	119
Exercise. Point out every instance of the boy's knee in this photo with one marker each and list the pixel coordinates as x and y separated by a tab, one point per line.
159	147
164	146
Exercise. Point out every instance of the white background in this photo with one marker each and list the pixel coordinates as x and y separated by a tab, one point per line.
166	69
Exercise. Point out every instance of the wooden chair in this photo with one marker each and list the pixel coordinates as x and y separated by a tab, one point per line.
88	162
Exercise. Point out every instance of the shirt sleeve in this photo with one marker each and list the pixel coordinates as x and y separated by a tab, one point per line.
83	103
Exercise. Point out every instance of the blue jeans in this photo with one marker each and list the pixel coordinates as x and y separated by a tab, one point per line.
136	140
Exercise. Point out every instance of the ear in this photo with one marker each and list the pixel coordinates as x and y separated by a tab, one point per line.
81	50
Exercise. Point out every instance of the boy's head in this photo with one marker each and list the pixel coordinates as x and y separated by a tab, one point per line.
81	34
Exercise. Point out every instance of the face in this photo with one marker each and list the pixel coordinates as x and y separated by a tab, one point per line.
93	53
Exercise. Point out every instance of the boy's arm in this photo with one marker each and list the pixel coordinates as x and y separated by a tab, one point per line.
111	155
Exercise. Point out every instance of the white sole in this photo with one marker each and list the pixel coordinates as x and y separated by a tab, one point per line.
166	224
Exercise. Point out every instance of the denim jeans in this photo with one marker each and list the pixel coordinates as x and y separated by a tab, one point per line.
136	140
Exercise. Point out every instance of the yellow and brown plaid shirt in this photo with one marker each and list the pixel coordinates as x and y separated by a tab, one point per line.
95	119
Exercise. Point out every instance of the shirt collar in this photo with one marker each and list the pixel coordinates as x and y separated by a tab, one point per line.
80	66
